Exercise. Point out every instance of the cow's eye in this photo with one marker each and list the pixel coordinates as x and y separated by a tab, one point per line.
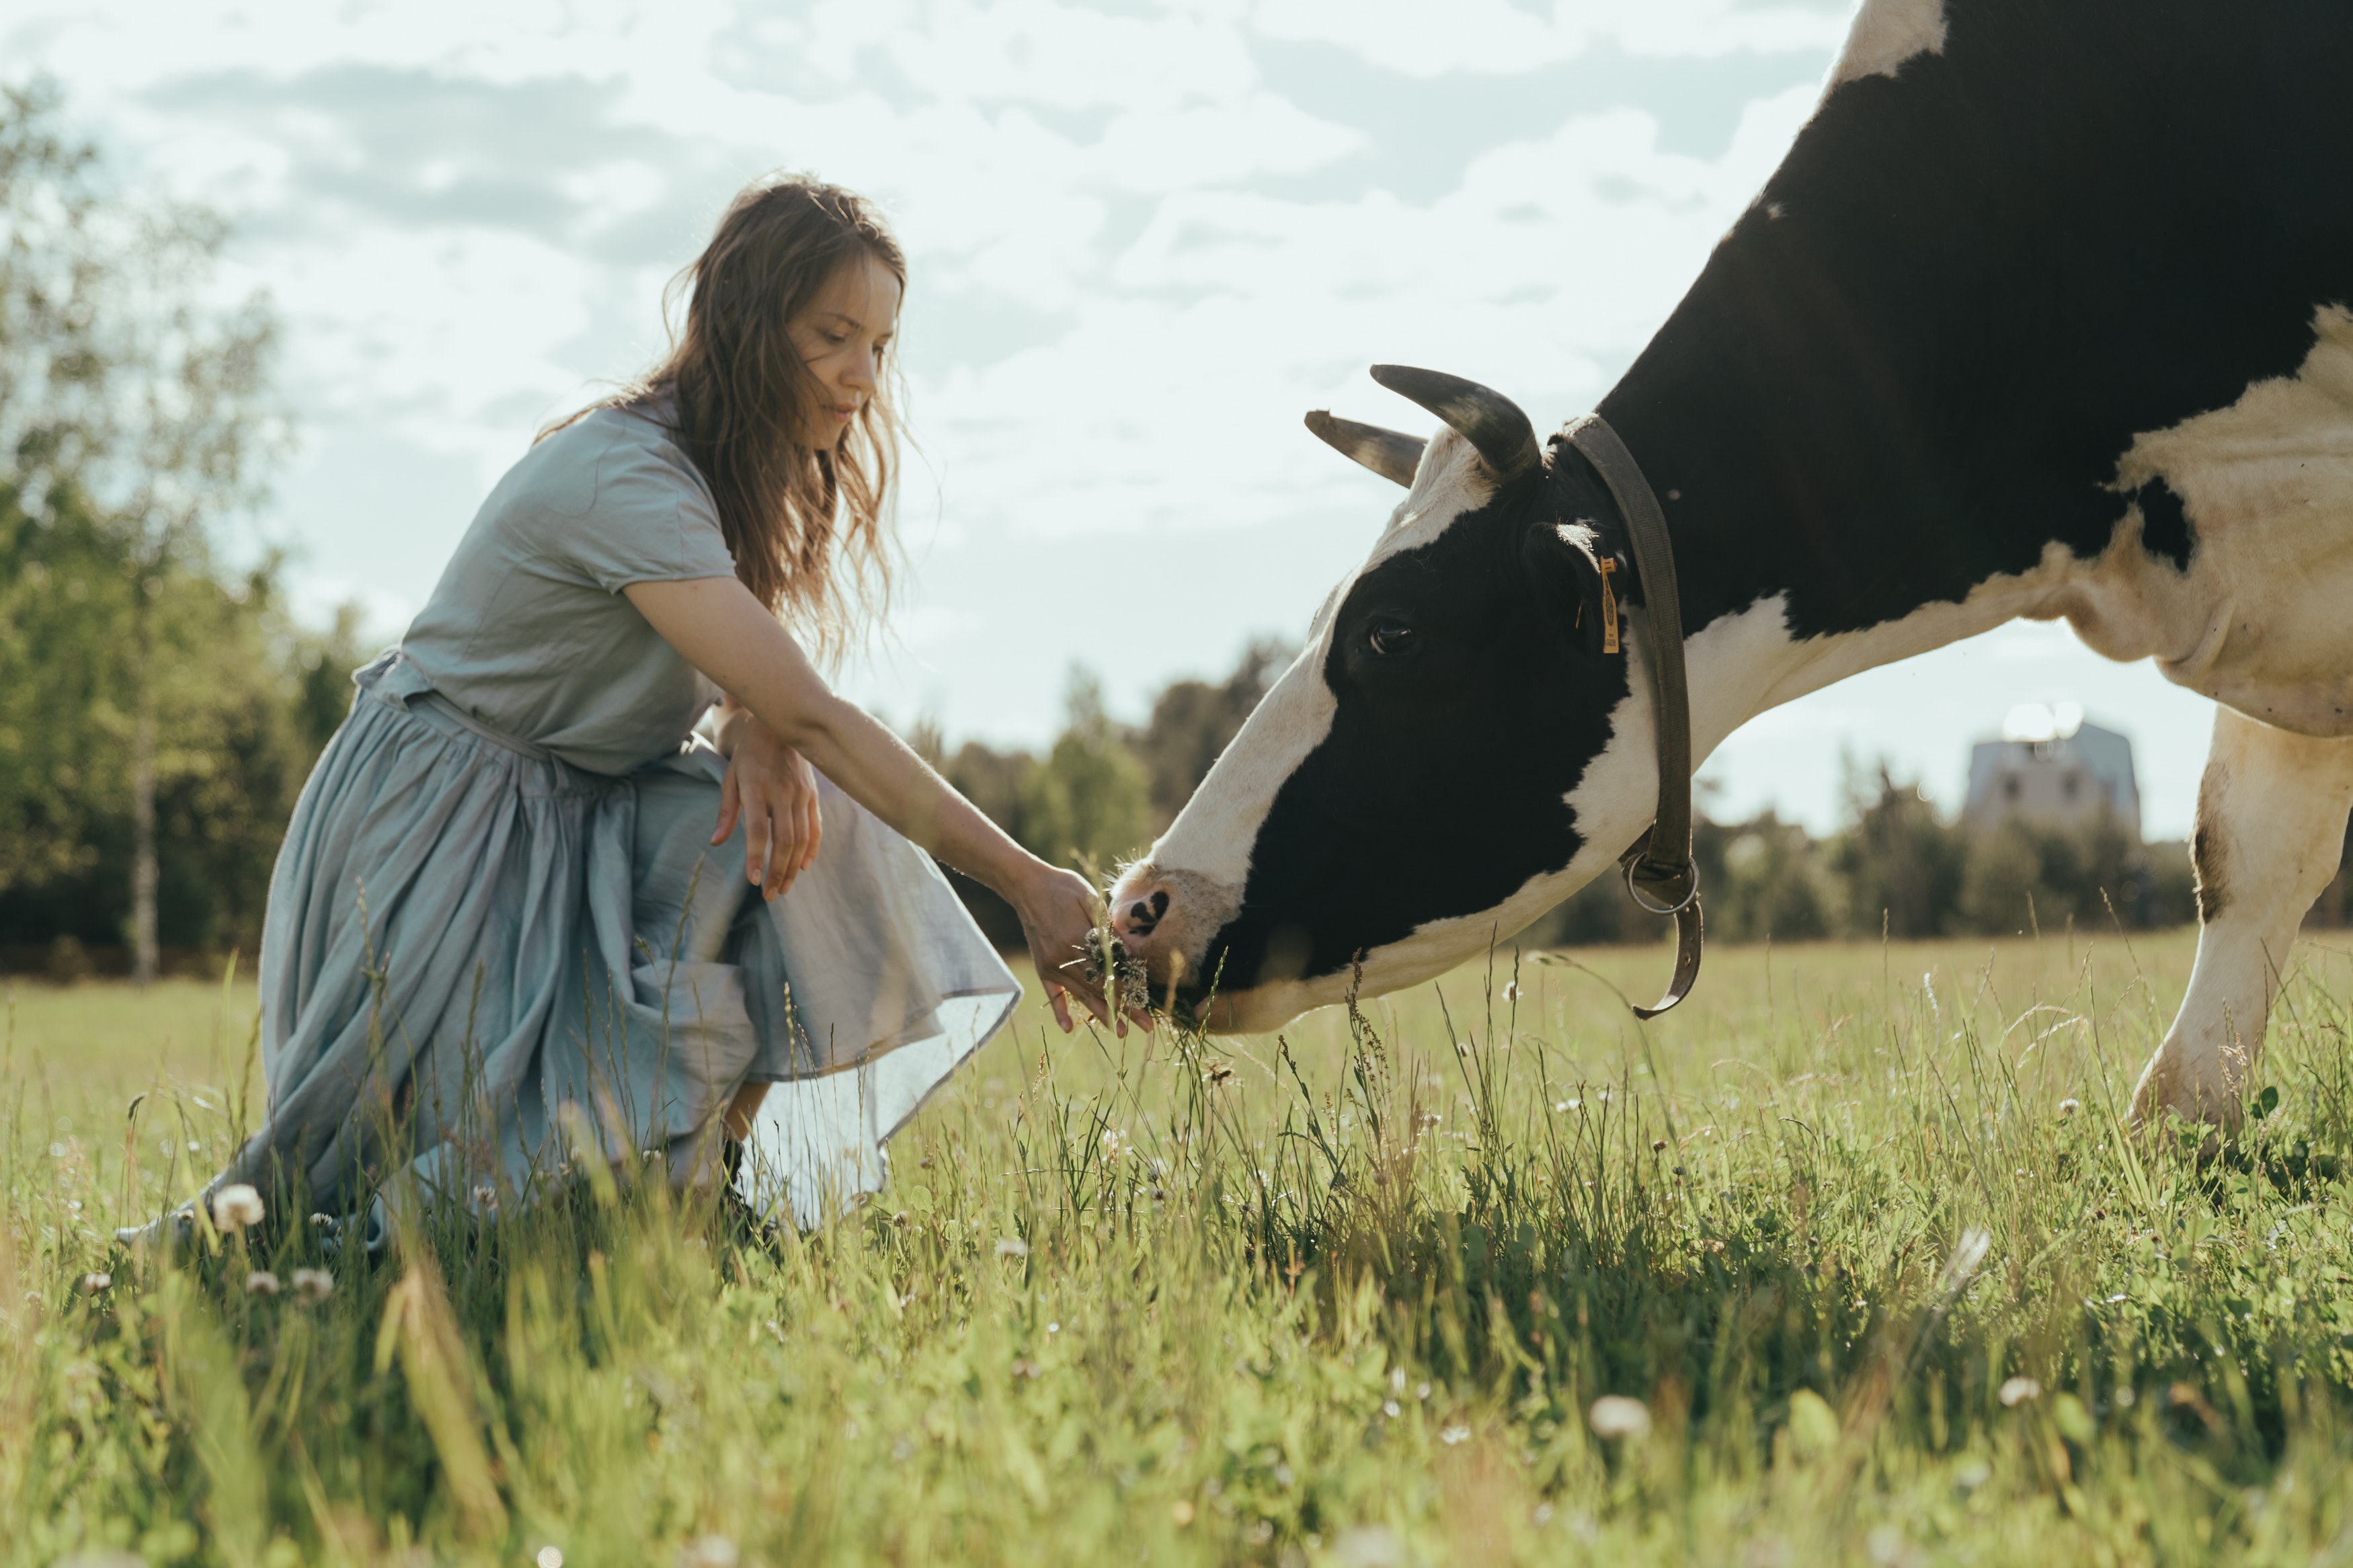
1389	638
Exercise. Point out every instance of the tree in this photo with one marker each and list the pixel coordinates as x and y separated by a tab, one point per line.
1089	804
1901	863
133	406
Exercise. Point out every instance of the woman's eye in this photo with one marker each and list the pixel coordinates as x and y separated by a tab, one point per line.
1390	638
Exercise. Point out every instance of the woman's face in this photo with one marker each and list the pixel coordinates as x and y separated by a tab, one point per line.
841	333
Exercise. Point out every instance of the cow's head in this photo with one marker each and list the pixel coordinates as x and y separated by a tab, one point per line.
1402	795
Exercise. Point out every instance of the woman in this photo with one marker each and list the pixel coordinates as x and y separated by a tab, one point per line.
499	939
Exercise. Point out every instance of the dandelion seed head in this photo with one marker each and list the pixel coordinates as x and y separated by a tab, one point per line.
1012	1247
709	1551
313	1286
261	1282
95	1282
2020	1390
2068	1107
1615	1416
235	1207
1450	1436
549	1557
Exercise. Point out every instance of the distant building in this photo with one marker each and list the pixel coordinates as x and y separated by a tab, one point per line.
2051	767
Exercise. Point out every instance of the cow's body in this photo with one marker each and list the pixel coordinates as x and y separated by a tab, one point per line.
2044	315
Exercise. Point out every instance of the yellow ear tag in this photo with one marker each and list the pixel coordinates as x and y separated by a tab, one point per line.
1609	607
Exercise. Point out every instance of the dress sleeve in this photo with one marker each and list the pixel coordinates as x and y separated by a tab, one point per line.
651	519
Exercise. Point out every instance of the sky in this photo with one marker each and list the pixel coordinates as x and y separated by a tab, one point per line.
1142	238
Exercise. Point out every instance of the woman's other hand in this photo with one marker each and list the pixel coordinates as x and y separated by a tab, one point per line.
773	788
1060	912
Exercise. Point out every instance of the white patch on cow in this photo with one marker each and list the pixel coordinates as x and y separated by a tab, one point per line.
1288	723
2257	623
1450	483
1885	34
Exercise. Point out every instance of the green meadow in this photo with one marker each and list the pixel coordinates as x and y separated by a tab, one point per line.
1848	1260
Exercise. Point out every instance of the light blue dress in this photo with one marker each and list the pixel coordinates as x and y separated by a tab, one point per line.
499	941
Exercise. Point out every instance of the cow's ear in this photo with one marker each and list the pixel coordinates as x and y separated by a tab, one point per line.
1575	581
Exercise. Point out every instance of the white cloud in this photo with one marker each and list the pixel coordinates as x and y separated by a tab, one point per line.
1499	39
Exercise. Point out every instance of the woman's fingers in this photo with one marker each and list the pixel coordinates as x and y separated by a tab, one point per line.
794	811
731	805
816	833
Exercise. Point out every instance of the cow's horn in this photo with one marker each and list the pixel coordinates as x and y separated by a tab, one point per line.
1491	421
1389	453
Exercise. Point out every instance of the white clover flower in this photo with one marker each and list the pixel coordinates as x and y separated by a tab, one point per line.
2019	1391
261	1282
708	1551
1615	1416
237	1206
95	1282
1458	1432
313	1286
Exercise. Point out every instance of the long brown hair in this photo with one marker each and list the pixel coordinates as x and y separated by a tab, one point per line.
810	528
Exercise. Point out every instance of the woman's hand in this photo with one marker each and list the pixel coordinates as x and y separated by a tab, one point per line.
1061	914
773	788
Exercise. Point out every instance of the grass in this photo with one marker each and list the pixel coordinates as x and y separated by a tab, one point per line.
1855	1228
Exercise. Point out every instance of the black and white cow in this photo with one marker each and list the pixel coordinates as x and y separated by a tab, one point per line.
2045	314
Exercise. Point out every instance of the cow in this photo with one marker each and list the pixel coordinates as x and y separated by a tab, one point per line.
2044	315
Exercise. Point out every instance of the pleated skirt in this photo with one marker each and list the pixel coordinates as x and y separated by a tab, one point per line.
481	967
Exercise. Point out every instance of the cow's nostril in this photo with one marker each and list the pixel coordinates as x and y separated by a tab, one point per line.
1159	903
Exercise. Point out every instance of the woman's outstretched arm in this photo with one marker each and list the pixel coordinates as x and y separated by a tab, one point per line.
720	628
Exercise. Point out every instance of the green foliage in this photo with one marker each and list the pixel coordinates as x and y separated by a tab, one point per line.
131	415
1088	804
1899	862
1882	1274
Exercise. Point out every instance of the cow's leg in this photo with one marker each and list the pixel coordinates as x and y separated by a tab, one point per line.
2270	822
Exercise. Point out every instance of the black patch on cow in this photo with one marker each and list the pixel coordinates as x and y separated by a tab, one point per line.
2164	523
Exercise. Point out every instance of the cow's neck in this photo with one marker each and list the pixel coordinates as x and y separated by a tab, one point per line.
1815	517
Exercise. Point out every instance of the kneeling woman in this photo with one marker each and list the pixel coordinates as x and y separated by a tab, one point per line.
507	932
